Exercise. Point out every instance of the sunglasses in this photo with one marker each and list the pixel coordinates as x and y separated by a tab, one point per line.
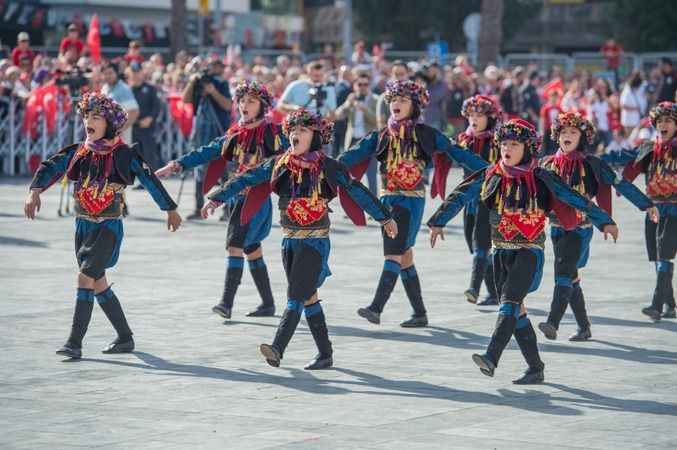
363	84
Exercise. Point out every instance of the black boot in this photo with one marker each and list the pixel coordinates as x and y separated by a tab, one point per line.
505	326
479	267
412	286
285	330
109	303
386	284
318	328
231	283
577	303
526	339
81	317
665	282
259	273
492	295
663	293
560	300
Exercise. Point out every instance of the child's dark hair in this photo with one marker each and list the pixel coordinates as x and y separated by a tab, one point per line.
316	142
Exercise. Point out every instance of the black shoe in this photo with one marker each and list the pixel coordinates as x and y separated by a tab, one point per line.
71	352
415	322
261	311
120	346
652	312
531	377
548	330
486	366
488	301
670	313
271	354
471	295
194	216
320	362
581	335
222	310
370	315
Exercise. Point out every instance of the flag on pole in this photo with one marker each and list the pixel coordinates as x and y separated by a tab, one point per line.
94	40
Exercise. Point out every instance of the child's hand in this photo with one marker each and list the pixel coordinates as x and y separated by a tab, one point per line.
209	207
390	227
653	214
434	232
173	220
610	230
32	204
170	168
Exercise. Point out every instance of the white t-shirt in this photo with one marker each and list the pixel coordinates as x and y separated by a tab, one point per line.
634	98
359	129
598	114
124	96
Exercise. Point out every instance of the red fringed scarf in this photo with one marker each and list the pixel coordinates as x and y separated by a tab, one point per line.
663	183
567	166
246	137
476	141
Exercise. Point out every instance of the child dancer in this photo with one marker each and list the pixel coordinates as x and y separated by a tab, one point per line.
482	114
403	149
246	143
101	168
590	177
658	163
518	194
306	181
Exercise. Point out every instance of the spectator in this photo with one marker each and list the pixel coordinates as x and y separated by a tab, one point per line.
548	114
598	114
71	46
618	142
133	53
22	49
529	102
398	72
613	52
633	102
119	91
360	110
143	131
360	55
210	96
435	114
509	93
667	87
455	99
313	93
343	89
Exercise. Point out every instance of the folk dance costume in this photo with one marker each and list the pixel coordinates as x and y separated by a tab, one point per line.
245	146
476	216
518	198
100	170
305	185
403	149
658	163
593	178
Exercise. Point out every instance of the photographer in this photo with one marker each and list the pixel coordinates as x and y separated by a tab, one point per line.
313	93
210	97
360	110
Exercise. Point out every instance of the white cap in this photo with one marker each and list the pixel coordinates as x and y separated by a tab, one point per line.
23	36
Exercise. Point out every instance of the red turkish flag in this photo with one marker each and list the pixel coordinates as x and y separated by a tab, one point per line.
94	39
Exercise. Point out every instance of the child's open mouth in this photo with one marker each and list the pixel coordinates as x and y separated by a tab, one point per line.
396	110
567	142
90	130
295	142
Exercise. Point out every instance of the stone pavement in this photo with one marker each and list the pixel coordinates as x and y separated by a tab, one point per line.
199	382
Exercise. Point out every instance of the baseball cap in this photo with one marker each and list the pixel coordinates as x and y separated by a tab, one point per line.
23	36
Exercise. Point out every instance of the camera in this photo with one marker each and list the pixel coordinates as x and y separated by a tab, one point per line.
318	95
75	79
204	78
